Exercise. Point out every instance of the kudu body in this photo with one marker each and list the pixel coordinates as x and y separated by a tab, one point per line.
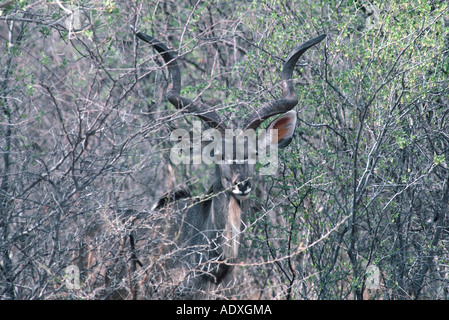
208	228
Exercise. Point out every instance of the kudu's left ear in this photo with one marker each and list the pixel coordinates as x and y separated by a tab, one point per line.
285	126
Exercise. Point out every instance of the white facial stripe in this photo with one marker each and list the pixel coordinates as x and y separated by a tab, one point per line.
238	192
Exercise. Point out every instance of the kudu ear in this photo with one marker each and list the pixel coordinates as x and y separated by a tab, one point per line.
285	126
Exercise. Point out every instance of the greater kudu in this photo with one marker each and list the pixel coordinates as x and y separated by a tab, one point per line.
209	228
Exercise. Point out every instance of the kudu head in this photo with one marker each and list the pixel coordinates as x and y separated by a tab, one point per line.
232	183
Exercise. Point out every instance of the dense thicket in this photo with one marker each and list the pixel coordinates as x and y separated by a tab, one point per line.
85	127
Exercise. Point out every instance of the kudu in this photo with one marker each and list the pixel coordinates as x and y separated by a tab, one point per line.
209	228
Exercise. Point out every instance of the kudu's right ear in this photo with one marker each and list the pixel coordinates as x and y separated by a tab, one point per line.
285	126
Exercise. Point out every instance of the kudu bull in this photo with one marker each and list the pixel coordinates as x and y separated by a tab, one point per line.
209	228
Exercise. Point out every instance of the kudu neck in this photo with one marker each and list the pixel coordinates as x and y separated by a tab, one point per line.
226	217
